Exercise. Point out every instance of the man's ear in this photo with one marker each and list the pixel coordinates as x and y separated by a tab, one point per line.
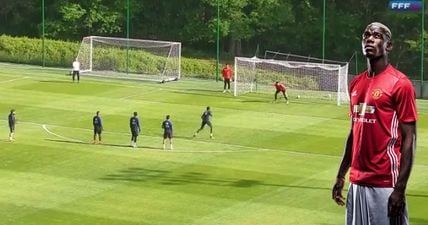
389	46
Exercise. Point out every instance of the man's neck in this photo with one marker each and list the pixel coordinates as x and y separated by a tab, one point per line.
376	66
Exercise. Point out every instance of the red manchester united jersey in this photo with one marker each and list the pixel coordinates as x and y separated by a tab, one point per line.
378	105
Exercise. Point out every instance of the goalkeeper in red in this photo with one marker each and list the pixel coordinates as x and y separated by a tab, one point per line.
280	87
227	73
381	143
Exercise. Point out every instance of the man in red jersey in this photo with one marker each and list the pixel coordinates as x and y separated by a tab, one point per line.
227	76
381	145
280	87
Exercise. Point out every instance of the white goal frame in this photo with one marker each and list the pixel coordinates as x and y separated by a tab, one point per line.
253	71
138	59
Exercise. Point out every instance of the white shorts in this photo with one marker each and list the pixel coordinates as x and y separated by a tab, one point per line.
369	206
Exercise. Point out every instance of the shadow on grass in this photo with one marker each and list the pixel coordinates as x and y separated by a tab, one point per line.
202	136
57	81
256	101
103	144
166	177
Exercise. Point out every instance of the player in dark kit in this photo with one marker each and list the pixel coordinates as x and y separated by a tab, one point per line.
12	121
134	124
206	120
167	132
98	127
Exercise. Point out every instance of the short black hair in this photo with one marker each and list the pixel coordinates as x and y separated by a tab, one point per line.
384	28
167	116
135	113
208	108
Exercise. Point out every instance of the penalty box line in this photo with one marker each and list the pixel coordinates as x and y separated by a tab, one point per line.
60	136
249	148
44	126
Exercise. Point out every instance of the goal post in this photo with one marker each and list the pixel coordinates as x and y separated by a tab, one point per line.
130	58
303	79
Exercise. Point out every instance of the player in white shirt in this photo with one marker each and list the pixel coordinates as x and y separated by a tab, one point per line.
76	70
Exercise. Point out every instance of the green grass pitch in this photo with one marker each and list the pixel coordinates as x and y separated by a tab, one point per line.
268	164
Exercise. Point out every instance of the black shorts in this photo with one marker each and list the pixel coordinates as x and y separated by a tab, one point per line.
97	130
12	128
208	123
134	133
167	135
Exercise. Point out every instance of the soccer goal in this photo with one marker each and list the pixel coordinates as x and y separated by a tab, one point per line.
303	79
130	58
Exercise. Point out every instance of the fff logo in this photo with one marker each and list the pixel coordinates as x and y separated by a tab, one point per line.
405	5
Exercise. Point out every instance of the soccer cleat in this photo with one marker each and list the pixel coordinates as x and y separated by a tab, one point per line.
194	135
224	91
287	102
211	136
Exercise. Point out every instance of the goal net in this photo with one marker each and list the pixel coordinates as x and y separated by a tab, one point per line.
302	79
130	58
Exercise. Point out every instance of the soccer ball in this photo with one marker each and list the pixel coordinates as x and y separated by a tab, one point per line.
298	96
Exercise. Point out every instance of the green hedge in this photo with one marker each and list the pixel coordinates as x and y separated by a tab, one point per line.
29	51
61	53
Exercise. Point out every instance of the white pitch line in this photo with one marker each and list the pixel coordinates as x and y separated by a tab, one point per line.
255	149
60	136
12	80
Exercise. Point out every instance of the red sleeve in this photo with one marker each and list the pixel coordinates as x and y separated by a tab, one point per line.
405	100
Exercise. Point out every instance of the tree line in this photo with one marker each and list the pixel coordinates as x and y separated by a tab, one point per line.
247	27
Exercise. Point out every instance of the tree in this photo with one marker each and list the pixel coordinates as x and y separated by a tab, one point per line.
20	17
68	20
